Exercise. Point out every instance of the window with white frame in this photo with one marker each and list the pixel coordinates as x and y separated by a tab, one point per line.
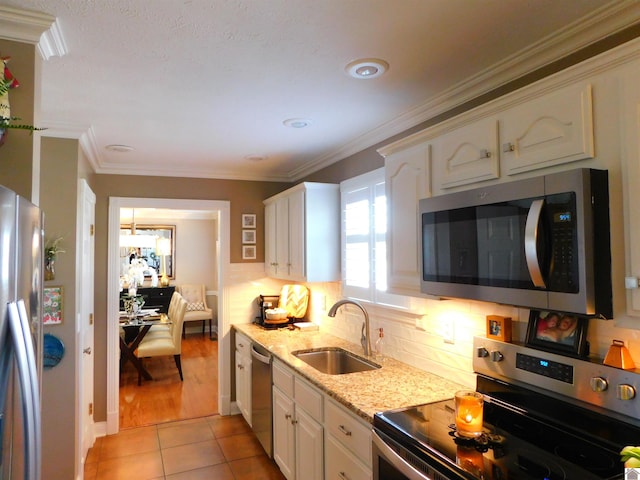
364	229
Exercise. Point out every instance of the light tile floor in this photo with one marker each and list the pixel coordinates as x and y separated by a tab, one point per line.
212	448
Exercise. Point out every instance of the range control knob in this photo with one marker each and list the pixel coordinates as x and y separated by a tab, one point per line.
626	392
482	352
496	356
598	384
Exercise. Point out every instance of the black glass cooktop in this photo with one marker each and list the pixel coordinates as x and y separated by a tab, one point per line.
555	440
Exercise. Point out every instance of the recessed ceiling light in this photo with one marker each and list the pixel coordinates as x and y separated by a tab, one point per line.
297	122
367	68
119	148
256	158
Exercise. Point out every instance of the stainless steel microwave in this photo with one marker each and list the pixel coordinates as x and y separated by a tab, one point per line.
541	243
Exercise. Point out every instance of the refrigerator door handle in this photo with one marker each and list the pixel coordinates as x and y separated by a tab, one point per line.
28	380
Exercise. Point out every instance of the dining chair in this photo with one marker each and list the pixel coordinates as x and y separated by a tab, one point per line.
197	308
157	346
165	330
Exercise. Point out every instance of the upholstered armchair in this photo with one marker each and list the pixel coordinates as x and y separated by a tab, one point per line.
197	308
160	345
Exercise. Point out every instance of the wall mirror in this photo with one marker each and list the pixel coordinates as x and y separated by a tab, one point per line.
155	244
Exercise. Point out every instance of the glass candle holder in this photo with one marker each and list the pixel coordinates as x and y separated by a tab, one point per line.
469	413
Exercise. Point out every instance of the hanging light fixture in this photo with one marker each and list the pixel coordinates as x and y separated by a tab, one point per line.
133	240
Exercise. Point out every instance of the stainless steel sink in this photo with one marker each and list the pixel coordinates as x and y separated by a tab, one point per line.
334	361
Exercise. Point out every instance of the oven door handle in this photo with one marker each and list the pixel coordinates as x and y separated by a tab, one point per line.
396	460
531	243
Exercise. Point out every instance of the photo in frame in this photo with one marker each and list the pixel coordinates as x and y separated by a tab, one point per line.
248	220
248	236
52	306
558	332
248	252
499	328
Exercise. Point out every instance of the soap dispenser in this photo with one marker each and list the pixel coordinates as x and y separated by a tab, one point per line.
379	346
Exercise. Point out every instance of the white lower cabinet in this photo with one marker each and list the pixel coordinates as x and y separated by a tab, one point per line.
347	444
342	464
298	442
243	376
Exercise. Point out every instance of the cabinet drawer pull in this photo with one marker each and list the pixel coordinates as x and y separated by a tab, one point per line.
343	476
344	430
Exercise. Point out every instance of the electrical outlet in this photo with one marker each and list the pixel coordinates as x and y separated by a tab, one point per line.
448	329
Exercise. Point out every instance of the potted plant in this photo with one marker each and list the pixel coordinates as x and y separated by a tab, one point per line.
7	82
51	250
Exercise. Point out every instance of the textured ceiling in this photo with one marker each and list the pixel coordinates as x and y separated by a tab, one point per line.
198	86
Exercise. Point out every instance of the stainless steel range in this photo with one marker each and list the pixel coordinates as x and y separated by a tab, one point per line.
546	416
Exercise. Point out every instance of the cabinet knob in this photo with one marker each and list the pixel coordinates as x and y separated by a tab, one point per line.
287	416
484	153
241	367
293	422
508	147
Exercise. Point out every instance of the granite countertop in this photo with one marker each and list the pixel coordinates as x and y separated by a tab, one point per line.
395	385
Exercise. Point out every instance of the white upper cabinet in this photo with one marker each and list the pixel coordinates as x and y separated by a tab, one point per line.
407	180
553	129
467	154
302	233
630	133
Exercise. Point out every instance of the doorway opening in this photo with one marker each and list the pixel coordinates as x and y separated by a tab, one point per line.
220	210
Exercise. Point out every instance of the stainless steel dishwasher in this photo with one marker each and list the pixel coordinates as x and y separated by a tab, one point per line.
261	401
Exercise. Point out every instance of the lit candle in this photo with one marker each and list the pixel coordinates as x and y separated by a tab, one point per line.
468	413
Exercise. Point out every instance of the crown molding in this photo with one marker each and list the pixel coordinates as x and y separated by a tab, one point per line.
36	28
609	19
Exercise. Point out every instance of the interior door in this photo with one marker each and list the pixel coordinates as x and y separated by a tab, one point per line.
84	329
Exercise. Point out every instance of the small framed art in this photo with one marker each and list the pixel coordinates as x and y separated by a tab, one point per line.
499	328
248	252
248	220
557	332
52	306
248	236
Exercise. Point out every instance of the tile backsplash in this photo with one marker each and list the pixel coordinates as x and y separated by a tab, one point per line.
436	335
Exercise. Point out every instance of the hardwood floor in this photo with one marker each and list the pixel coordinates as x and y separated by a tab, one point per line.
166	398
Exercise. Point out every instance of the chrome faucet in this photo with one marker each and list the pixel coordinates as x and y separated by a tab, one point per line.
365	338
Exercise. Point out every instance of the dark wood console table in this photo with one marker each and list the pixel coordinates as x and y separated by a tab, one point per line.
154	297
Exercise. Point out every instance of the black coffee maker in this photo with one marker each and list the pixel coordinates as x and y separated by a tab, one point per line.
266	302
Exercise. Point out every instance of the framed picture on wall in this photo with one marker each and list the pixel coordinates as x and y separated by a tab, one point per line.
52	306
248	252
248	220
248	236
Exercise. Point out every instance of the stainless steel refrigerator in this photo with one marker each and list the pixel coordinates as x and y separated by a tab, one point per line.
21	276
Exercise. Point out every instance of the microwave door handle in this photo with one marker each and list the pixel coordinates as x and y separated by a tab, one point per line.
531	243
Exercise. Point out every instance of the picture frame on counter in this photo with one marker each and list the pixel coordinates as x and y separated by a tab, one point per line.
248	252
558	332
248	236
499	328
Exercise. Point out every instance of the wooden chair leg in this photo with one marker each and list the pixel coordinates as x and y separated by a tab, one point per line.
179	365
184	327
203	323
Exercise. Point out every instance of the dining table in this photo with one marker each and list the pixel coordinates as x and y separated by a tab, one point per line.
135	328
